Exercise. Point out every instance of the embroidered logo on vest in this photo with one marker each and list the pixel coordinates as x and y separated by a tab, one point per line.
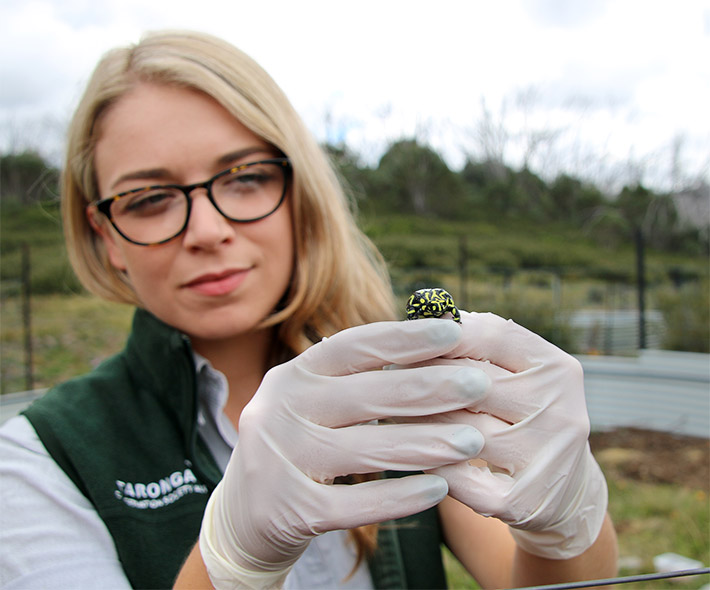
158	494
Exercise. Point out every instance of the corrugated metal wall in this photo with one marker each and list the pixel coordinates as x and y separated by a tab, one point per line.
615	332
658	390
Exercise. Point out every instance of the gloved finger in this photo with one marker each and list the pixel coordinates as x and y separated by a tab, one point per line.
531	458
487	488
376	501
372	346
502	396
511	448
551	394
362	397
508	449
504	449
481	488
488	337
544	487
558	387
371	448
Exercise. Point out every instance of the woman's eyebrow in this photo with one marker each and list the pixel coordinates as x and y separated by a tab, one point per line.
235	156
152	174
221	162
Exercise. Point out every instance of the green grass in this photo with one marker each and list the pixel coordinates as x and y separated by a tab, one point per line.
659	518
456	575
417	243
650	519
71	335
40	228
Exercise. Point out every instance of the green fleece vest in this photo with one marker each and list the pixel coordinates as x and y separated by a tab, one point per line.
126	435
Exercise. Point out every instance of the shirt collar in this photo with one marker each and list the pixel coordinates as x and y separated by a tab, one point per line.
212	394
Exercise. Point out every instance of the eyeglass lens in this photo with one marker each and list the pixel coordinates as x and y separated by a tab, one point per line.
157	214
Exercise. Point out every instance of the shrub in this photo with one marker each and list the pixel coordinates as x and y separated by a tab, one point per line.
540	317
686	312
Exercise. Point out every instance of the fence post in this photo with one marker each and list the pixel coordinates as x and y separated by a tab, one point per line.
27	316
463	273
641	285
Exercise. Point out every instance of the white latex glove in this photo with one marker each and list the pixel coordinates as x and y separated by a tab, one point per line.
541	477
308	424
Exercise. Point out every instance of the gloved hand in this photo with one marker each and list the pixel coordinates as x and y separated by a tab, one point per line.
541	477
309	423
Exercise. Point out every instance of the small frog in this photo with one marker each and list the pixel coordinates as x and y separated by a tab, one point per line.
432	303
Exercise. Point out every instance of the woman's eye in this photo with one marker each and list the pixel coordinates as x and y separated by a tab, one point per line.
247	179
150	203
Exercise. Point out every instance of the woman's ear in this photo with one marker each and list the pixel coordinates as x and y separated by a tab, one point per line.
105	231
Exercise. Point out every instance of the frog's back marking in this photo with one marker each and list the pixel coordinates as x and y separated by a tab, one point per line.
431	303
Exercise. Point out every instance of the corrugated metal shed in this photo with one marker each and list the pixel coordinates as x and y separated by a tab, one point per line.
658	390
615	332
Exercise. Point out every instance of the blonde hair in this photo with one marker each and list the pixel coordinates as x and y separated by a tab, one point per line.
340	280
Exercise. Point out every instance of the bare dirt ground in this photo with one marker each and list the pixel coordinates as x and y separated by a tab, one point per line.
656	457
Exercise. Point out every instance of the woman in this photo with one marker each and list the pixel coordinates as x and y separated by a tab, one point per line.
193	191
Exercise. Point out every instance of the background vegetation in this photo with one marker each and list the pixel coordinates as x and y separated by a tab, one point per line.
500	240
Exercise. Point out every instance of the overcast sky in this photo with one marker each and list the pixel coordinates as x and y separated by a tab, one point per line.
608	81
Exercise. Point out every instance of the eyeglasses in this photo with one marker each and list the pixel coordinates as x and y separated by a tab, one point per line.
154	215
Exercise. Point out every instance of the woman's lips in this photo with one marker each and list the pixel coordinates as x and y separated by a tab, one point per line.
221	283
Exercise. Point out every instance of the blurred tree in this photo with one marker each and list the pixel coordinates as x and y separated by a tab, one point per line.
692	204
571	200
533	196
636	210
27	178
355	178
496	191
486	183
652	214
412	178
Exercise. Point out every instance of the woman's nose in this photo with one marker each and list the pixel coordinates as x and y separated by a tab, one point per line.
206	227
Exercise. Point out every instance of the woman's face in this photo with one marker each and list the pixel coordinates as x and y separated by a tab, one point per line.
218	279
